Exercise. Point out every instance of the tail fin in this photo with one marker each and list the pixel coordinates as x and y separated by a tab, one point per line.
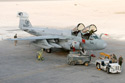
24	21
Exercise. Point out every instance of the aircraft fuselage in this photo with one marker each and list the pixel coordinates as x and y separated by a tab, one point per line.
94	44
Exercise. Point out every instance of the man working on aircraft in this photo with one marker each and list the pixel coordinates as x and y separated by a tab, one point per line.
15	36
87	35
114	58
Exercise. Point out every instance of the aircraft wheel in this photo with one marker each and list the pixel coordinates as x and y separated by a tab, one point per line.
98	66
48	50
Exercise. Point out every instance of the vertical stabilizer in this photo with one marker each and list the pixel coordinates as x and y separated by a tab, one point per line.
24	21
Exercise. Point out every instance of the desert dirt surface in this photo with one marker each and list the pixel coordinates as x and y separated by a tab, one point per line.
18	64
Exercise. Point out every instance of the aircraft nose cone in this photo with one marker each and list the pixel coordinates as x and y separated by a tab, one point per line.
101	44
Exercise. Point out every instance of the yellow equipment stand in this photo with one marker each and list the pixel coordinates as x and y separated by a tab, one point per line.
39	55
105	55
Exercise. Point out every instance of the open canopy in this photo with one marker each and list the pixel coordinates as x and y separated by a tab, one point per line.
92	27
89	28
79	27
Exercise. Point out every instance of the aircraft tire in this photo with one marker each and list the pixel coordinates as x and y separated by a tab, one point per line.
48	50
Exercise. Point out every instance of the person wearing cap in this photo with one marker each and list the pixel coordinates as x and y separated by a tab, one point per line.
15	36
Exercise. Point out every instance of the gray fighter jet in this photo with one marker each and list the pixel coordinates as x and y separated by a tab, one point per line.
80	37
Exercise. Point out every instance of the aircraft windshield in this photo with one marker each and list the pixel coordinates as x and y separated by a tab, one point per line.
96	37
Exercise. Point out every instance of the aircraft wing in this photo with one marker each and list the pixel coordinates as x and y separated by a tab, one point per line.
41	37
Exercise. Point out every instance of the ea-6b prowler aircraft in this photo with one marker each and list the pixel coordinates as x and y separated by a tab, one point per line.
80	37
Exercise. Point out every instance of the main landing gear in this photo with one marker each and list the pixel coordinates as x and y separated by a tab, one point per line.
48	50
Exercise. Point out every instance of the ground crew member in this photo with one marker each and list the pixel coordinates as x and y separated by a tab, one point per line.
87	35
15	36
114	58
120	60
39	56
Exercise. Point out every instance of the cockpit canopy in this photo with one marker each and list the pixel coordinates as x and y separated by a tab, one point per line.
92	27
85	31
79	27
89	32
89	28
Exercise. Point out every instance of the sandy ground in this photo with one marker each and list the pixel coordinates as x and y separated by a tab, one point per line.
19	65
